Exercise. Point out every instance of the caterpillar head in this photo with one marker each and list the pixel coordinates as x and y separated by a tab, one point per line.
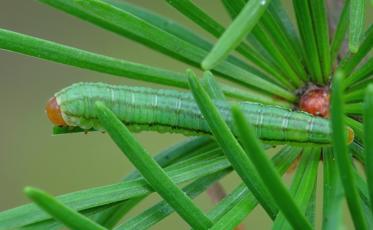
350	135
54	112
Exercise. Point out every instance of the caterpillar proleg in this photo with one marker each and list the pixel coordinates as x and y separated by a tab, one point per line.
166	110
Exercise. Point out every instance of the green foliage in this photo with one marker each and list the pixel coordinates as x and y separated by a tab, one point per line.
230	145
233	35
368	128
69	217
282	58
333	193
357	23
267	172
342	156
151	171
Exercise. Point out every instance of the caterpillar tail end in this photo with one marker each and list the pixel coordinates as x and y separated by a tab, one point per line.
53	111
350	135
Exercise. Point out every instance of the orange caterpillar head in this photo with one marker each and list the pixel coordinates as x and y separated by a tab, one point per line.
350	135
54	112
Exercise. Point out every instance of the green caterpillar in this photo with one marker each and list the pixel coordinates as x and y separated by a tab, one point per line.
173	111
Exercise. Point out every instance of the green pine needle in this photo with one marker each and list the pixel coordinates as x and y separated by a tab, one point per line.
235	154
234	34
111	216
368	129
357	24
68	55
200	165
321	31
360	76
162	209
202	19
339	137
268	174
333	193
151	171
340	31
68	216
303	186
234	208
349	63
311	56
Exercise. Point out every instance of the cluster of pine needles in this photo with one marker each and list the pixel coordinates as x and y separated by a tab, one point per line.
267	58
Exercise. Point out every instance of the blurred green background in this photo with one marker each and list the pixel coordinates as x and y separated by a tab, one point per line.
29	154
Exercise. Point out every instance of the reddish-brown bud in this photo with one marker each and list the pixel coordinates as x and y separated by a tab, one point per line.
316	101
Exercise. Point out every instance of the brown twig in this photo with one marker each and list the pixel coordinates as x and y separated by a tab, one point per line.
216	193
